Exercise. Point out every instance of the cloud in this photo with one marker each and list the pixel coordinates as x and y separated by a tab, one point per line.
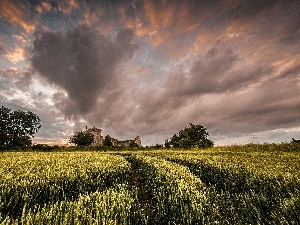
43	7
92	15
160	22
1	45
216	72
67	6
82	62
267	106
224	84
226	93
16	55
230	65
16	15
19	90
15	52
15	85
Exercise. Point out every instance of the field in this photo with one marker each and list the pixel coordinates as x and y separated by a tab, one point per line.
252	184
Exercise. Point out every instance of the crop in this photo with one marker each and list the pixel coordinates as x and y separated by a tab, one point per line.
34	179
221	185
248	186
113	206
178	197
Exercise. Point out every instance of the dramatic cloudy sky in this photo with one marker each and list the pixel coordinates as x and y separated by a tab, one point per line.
150	67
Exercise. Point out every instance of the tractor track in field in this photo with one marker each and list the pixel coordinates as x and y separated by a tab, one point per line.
145	201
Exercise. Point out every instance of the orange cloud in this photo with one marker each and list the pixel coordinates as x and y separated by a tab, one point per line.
91	16
68	6
202	42
236	28
15	56
20	39
162	22
44	6
159	17
285	64
158	20
73	4
15	15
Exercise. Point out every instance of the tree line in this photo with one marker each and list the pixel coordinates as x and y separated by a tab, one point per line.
17	128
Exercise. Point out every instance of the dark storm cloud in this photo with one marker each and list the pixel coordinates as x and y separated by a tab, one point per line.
82	62
244	10
268	106
215	73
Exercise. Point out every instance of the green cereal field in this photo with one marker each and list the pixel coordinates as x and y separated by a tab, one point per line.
251	184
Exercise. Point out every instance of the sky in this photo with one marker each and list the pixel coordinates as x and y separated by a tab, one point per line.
148	68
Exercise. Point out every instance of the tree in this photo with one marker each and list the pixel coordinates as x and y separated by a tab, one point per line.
133	145
191	136
82	138
17	128
294	141
107	141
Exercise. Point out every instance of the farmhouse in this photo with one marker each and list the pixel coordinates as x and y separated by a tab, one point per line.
98	139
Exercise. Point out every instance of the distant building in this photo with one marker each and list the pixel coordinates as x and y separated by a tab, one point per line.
127	143
99	140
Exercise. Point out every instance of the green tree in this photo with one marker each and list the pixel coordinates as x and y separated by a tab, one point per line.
167	144
191	136
107	141
295	141
82	138
17	128
133	145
